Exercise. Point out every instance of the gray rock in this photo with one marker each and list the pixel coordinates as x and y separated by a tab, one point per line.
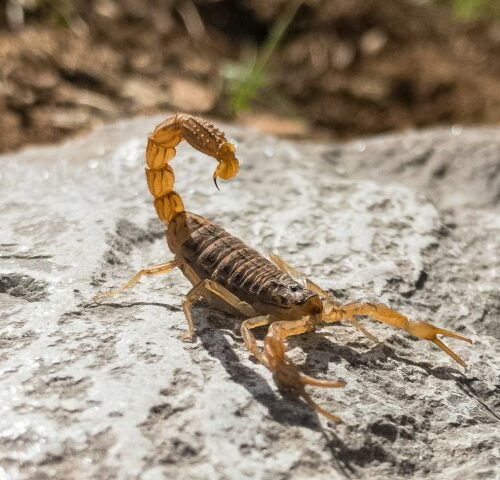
109	391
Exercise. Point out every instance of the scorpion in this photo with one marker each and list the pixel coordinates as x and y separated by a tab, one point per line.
236	279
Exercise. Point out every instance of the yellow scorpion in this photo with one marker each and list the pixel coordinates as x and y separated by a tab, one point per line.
236	279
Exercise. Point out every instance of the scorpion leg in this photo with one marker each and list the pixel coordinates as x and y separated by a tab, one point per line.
249	338
146	272
207	288
329	301
381	313
286	372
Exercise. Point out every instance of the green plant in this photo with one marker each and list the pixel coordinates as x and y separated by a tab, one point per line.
245	80
469	9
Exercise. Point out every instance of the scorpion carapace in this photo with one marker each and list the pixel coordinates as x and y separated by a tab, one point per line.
235	278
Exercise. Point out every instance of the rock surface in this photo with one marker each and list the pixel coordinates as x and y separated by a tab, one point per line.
109	391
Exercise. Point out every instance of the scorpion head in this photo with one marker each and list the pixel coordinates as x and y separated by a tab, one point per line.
228	163
294	295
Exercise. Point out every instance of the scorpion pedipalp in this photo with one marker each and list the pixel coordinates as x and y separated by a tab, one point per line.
384	314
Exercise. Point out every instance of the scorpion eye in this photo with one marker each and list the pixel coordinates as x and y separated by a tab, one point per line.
294	288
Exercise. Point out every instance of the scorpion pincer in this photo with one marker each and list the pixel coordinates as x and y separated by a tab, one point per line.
236	279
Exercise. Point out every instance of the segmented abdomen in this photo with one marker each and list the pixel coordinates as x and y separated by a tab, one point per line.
215	254
199	133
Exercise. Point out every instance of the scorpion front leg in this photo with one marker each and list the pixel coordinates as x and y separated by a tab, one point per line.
275	359
249	338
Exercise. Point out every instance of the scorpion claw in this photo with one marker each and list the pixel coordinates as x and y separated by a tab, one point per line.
288	374
429	332
307	380
449	333
448	350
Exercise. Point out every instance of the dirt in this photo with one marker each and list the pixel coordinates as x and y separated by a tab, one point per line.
344	68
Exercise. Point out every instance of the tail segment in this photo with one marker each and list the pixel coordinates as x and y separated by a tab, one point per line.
201	135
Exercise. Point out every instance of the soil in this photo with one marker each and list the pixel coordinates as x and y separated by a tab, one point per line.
344	67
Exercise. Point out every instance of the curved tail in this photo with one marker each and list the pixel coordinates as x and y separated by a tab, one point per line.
201	135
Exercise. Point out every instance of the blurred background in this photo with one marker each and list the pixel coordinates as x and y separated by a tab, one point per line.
310	68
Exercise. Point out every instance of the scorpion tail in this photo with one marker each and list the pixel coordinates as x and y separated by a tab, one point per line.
201	135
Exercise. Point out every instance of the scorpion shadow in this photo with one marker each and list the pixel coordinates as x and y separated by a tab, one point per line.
213	328
321	351
212	331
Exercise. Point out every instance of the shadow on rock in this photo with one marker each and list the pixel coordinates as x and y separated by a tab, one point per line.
166	306
288	410
321	351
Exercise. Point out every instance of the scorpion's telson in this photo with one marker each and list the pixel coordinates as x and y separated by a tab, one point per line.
235	278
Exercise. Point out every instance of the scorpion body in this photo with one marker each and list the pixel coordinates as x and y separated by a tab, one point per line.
209	252
236	279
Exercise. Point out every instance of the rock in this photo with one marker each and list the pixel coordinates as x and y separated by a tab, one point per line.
109	391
